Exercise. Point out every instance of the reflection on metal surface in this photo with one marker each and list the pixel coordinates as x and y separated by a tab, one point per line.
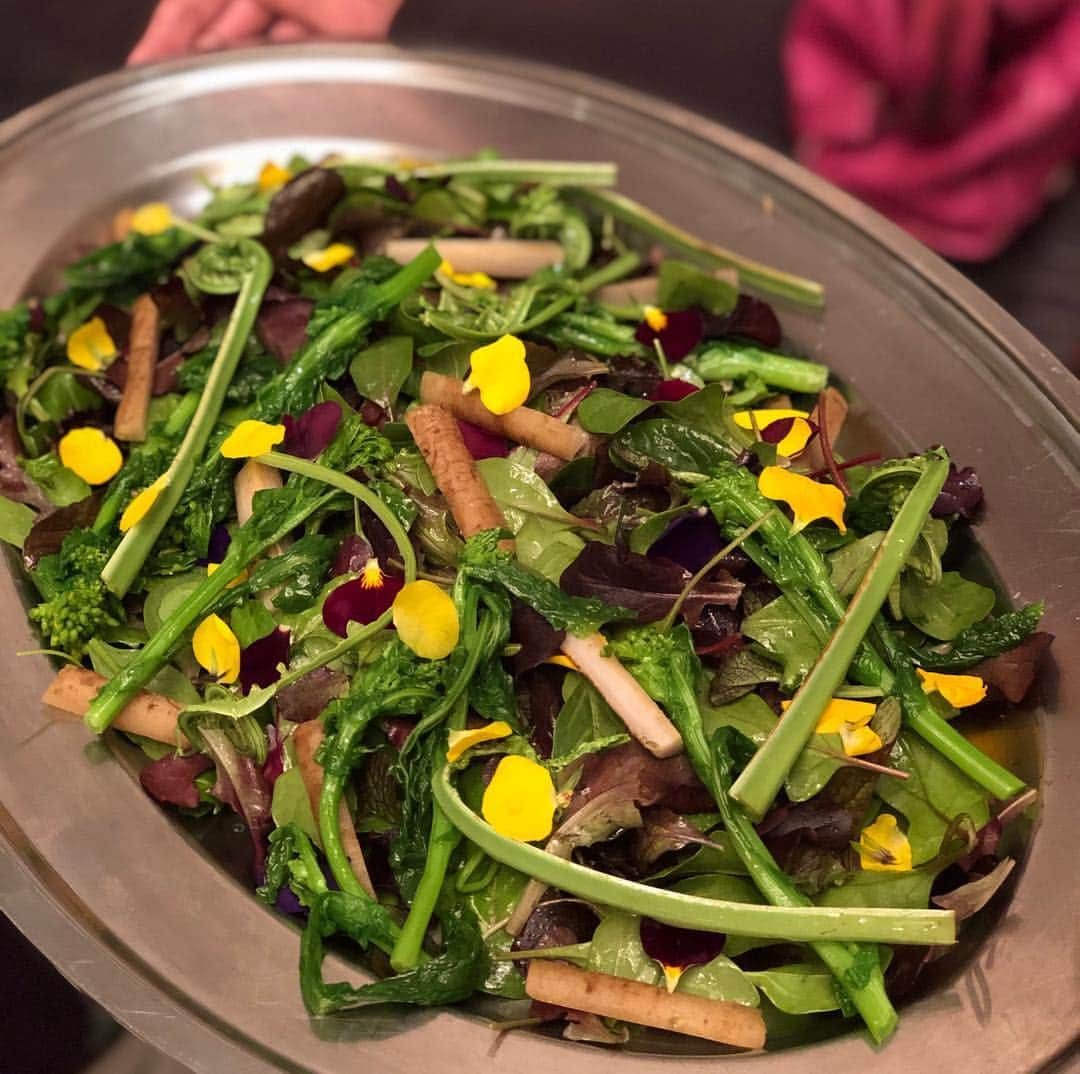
134	910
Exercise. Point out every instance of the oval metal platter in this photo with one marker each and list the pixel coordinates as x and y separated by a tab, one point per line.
135	911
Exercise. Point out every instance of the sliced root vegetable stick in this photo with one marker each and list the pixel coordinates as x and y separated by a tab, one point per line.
306	740
836	411
147	714
439	439
642	716
718	1020
253	477
130	421
522	425
505	259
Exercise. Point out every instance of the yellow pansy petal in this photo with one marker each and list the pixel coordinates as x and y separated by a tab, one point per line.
90	346
562	660
959	690
809	500
655	318
671	976
499	371
840	711
140	506
859	740
91	454
211	569
337	253
272	176
520	799
426	620
480	280
152	219
216	648
883	848
793	441
252	438
460	741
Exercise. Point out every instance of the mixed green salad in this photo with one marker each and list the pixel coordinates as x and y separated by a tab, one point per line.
474	534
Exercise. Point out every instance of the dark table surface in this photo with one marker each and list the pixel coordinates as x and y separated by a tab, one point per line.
718	59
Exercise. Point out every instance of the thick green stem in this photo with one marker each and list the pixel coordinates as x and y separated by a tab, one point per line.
137	544
761	780
551	172
732	361
756	275
796	925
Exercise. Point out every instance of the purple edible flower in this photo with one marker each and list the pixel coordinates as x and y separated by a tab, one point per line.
310	434
678	949
259	661
220	539
680	334
961	494
671	391
750	319
360	601
481	443
690	541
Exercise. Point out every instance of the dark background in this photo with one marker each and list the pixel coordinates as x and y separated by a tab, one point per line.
721	59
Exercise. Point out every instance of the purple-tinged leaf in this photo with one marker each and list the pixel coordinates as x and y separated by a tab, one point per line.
274	764
681	334
397	189
282	326
557	922
49	530
310	434
240	785
117	323
481	443
663	831
171	779
259	661
750	319
535	635
634	376
15	483
691	541
671	391
306	698
175	308
300	206
1013	672
397	730
679	948
355	602
968	899
543	686
961	494
817	821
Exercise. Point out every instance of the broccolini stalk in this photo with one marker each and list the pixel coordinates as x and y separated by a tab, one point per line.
759	276
757	786
670	671
241	266
733	361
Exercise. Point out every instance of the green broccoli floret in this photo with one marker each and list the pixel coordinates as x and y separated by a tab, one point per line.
76	604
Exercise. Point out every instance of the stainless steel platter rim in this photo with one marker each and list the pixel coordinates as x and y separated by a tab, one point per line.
1059	394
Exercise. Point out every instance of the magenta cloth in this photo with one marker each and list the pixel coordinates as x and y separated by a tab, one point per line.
956	118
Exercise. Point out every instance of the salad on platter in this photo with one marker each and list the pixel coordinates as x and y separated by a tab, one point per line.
474	535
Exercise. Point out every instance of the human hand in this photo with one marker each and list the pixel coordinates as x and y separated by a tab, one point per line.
180	27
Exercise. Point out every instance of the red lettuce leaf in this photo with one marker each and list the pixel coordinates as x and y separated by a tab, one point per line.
171	779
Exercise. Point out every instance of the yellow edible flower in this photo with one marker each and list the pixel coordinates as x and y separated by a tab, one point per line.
961	691
272	176
371	577
252	438
809	500
520	799
242	577
90	346
479	280
794	440
655	318
562	660
91	454
883	848
152	219
337	253
426	620
849	720
216	648
458	742
140	506
500	374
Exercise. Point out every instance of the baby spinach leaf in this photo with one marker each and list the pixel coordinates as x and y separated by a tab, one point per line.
380	370
749	715
290	804
584	718
932	796
685	451
817	763
904	891
720	979
683	285
980	641
616	949
947	609
16	521
63	486
250	621
605	411
799	988
783	634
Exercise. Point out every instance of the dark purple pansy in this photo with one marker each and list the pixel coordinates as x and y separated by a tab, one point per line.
750	319
679	949
397	730
775	431
352	556
354	602
171	779
259	660
671	391
282	326
481	443
690	541
681	334
960	495
220	539
309	435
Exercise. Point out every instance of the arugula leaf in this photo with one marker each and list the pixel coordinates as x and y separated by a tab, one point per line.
983	640
946	609
605	411
932	796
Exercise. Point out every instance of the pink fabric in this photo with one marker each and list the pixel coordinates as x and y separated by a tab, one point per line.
956	118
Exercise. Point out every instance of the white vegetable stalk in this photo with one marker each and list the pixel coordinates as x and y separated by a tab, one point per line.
504	259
